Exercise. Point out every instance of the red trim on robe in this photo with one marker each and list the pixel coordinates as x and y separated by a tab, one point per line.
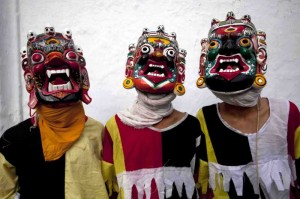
154	192
136	143
107	152
293	123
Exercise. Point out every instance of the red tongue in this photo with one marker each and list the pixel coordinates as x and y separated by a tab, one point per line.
58	81
229	75
229	67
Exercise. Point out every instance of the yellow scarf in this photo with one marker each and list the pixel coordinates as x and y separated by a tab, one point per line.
60	128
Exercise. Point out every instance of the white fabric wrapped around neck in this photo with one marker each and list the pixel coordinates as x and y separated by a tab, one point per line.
248	98
149	109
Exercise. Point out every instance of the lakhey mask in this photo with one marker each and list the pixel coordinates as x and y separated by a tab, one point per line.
54	68
233	57
156	65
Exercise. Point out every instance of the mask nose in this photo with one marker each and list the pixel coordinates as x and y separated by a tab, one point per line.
158	53
55	59
229	48
229	44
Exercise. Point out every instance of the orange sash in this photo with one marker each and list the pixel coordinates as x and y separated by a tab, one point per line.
60	128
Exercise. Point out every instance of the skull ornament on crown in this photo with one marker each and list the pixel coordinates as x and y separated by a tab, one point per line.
54	68
233	57
156	64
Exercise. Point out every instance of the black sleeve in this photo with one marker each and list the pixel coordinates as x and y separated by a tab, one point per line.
12	139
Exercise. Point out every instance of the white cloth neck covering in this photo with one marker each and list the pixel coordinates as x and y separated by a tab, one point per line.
149	109
248	98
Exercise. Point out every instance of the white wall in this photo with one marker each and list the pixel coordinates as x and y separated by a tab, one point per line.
104	28
10	69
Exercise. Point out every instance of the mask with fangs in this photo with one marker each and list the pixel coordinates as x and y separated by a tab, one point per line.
54	69
156	64
233	57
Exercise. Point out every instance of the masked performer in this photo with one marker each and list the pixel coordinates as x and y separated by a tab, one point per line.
56	153
251	143
149	150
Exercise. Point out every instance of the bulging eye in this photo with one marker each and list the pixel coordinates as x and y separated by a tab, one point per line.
245	42
146	49
72	56
170	52
213	45
37	58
